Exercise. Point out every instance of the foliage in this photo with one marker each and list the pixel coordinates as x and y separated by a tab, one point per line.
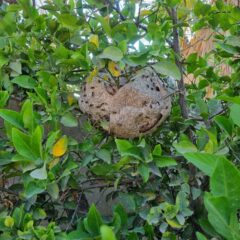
47	52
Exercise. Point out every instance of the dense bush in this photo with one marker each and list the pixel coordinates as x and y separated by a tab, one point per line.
182	182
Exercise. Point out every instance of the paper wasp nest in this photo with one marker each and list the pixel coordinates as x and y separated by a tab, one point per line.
134	109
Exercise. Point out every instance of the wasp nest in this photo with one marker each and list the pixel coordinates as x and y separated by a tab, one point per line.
133	109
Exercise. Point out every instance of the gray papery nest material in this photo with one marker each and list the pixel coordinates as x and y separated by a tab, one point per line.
136	108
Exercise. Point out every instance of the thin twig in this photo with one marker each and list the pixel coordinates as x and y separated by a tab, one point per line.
139	12
75	211
2	189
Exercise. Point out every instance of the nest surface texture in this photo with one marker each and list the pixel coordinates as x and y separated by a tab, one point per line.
136	108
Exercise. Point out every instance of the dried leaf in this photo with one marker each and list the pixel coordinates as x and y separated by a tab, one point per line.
94	40
60	147
92	75
70	99
114	69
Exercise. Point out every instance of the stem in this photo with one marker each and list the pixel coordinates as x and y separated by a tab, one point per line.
176	48
181	86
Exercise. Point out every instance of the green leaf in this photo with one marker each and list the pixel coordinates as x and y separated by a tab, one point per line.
234	113
227	48
68	120
219	214
224	182
27	115
12	117
94	221
39	173
105	155
5	158
125	148
105	25
107	233
113	53
225	124
201	9
42	95
22	143
122	213
168	68
229	99
52	137
33	188
165	162
233	41
185	146
25	81
103	169
200	236
36	142
67	20
4	95
9	222
157	151
123	145
53	190
137	59
220	4
204	161
135	152
143	169
16	67
212	144
173	3
3	61
39	214
18	214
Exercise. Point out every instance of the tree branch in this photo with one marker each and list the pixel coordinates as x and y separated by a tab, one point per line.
176	48
181	86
